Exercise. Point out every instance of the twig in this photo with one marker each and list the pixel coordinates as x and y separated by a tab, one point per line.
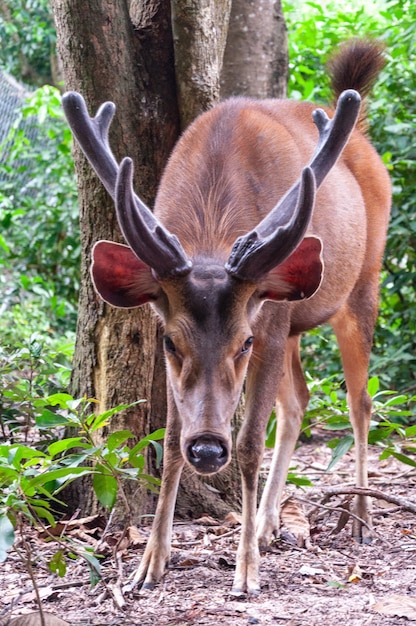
196	542
27	561
373	493
336	509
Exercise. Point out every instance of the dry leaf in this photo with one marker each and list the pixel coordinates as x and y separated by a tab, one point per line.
44	592
206	520
189	562
232	519
34	619
308	570
135	536
355	574
402	606
294	520
92	524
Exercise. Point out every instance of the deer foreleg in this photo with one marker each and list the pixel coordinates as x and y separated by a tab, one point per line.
292	399
157	552
261	385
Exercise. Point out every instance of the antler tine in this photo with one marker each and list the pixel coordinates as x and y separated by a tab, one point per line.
92	136
334	134
281	231
255	254
167	258
147	237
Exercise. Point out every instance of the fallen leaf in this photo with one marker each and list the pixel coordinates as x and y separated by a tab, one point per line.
34	619
307	570
232	519
355	574
93	524
189	562
401	606
294	520
206	520
44	592
135	536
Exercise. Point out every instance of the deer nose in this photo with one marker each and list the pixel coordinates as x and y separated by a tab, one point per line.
207	454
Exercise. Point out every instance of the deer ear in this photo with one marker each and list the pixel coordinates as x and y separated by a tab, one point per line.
298	277
120	278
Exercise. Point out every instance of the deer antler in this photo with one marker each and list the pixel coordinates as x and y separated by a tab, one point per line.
278	234
147	237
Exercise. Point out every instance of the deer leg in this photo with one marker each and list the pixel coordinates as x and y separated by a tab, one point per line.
354	335
157	552
261	385
291	402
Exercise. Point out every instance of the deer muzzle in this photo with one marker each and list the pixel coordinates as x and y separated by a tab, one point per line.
207	454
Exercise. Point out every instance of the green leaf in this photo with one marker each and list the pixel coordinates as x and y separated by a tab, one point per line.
94	566
336	424
404	458
6	536
155	436
137	460
117	438
150	479
57	564
49	419
19	452
98	421
105	486
342	448
56	399
300	481
42	512
67	473
66	444
373	386
159	452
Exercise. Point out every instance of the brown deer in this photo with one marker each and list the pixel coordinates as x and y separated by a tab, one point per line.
238	259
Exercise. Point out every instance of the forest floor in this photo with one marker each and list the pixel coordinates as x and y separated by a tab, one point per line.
331	582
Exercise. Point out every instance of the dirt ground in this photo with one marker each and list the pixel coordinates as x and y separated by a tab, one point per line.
333	581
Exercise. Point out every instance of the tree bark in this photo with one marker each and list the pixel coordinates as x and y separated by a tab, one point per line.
256	56
106	58
199	33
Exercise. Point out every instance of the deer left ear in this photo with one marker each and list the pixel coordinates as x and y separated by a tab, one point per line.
298	277
120	278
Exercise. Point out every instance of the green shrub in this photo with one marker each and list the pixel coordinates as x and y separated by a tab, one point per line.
314	31
39	233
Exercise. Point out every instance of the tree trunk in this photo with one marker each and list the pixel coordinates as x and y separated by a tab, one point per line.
199	33
106	58
125	52
256	56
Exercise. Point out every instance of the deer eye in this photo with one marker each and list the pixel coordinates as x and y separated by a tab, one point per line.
169	345
247	345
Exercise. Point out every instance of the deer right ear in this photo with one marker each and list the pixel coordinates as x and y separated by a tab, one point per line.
120	278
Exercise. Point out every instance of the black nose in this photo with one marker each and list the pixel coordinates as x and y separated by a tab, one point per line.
207	454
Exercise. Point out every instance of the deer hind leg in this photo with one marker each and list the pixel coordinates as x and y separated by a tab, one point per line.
354	327
291	402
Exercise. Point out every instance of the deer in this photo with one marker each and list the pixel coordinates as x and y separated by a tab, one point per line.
270	219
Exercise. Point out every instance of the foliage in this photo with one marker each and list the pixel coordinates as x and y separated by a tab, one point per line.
27	37
33	368
39	236
315	30
33	474
388	427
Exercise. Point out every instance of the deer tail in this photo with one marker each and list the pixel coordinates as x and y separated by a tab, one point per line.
356	65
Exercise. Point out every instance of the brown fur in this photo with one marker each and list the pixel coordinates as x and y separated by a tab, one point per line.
356	62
